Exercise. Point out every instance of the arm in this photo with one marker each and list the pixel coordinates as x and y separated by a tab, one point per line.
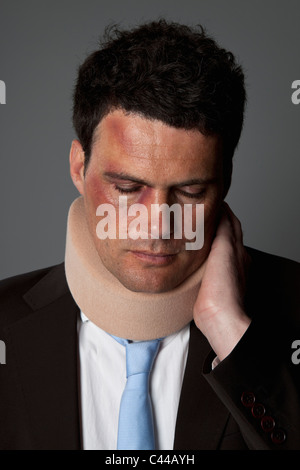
256	379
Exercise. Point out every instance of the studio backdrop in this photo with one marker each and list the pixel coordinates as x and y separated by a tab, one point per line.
42	43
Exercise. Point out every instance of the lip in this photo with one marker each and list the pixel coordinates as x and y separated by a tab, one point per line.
155	258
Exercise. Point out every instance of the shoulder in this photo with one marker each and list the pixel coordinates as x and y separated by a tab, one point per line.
268	260
15	291
273	286
21	282
273	269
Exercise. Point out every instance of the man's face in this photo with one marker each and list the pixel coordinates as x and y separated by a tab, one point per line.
150	163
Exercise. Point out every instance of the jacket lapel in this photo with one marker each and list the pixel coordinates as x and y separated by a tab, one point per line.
201	416
45	350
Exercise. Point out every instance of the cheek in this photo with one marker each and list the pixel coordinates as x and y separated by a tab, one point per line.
94	195
96	192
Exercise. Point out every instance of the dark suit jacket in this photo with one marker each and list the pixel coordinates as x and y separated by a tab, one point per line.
39	393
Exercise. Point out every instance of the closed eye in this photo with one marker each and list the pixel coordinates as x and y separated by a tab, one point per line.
128	190
134	189
191	195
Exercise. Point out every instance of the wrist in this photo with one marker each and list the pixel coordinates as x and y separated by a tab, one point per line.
224	330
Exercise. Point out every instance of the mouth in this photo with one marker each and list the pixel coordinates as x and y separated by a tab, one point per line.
158	259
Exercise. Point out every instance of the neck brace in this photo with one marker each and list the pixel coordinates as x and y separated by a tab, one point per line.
111	306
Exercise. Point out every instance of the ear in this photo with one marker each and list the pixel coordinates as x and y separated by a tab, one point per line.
77	165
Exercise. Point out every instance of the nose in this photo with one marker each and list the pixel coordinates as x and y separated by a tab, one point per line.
163	215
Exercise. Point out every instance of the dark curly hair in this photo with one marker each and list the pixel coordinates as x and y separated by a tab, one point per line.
166	71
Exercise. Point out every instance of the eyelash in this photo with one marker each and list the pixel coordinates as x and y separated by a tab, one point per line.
136	189
192	196
127	191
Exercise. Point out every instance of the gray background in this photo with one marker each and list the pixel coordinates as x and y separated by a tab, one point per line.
41	45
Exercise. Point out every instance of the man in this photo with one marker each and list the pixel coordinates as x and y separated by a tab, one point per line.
158	113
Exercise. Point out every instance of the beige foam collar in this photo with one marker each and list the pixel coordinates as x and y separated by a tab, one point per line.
111	306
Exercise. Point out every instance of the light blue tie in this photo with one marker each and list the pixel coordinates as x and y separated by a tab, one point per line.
135	430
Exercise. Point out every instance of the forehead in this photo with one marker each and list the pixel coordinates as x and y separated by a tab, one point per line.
131	139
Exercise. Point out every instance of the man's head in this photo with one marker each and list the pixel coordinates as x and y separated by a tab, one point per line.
158	113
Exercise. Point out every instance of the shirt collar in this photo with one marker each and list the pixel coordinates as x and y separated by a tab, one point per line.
164	342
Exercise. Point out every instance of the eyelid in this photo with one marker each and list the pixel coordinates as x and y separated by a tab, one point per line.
196	188
127	188
132	187
191	195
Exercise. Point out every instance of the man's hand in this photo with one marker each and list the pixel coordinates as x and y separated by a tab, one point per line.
219	309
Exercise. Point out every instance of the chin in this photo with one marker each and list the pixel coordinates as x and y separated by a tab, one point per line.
149	285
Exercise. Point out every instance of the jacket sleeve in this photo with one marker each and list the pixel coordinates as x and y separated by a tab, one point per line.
259	383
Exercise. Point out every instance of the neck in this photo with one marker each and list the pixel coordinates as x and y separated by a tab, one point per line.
111	306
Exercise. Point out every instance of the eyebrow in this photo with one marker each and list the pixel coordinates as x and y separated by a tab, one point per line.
125	177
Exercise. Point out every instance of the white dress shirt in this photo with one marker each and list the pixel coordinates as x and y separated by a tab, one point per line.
103	378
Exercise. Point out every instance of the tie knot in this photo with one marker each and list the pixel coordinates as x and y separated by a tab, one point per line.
140	356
